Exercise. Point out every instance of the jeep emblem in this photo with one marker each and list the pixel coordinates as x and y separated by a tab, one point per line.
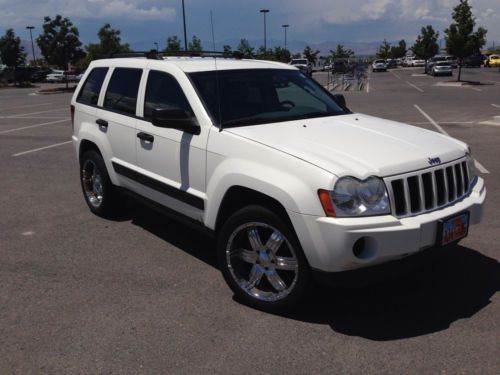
434	161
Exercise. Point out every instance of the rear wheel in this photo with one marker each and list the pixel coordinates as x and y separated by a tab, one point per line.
261	259
99	193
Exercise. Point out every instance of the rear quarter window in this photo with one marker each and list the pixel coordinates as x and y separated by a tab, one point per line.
89	93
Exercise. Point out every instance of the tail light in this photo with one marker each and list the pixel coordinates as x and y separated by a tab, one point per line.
72	110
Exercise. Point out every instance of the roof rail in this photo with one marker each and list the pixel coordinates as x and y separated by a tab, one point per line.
155	55
152	54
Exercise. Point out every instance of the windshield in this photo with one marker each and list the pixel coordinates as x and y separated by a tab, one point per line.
257	96
302	62
443	64
379	61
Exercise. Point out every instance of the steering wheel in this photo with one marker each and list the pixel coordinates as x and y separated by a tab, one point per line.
287	103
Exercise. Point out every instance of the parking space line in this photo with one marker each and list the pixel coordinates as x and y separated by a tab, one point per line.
41	148
34	113
34	117
474	88
416	87
395	75
33	126
25	106
496	105
478	165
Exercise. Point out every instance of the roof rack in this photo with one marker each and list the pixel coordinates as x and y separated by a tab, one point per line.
155	55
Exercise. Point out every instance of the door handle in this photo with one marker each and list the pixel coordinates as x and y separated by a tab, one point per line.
102	123
146	137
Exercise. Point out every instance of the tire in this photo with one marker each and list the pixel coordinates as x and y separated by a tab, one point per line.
100	194
269	272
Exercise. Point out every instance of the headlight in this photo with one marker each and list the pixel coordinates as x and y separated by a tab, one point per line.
352	197
471	165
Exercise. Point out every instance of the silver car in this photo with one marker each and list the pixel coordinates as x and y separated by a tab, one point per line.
379	66
442	68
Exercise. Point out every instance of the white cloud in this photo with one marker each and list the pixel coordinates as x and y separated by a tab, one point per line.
15	13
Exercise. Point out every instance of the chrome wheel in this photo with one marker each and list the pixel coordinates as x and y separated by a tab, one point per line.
92	183
262	261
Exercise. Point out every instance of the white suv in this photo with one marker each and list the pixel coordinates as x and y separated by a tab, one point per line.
290	182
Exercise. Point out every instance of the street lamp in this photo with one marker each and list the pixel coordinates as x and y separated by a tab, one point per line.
264	11
285	27
156	44
32	45
184	21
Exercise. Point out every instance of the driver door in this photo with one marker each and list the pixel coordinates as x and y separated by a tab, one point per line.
172	162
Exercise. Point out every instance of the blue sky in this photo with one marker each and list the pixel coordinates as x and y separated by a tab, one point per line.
143	22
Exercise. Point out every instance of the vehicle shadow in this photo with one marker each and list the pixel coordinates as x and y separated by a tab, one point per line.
457	284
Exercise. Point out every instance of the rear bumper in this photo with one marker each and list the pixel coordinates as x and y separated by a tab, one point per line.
329	243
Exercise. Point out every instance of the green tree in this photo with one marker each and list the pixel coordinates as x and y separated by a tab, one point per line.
173	44
399	51
195	44
109	42
341	52
310	55
384	51
296	55
281	54
461	40
263	54
426	44
11	52
59	42
245	49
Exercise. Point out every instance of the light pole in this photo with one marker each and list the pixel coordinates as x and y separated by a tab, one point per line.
184	21
32	45
285	27
264	11
156	44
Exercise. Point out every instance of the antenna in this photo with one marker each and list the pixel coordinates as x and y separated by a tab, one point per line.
217	88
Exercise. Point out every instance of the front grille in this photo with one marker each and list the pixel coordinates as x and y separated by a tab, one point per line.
429	189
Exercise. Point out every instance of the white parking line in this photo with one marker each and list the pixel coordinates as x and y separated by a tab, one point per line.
25	106
496	105
41	148
416	87
33	126
395	75
35	113
474	88
478	165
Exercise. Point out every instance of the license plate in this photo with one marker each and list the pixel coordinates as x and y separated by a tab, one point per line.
453	229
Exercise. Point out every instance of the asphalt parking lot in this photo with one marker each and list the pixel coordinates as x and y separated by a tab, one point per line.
142	294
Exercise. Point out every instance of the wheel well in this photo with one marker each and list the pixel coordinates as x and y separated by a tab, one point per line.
85	146
238	197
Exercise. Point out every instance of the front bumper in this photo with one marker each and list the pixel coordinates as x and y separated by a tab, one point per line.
328	243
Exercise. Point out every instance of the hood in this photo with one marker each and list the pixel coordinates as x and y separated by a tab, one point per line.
356	145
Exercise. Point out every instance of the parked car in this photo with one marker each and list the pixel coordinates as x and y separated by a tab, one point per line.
434	60
55	76
453	61
473	61
379	66
290	182
441	68
492	61
40	75
392	64
418	63
303	65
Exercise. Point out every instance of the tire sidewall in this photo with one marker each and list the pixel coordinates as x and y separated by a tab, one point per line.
106	207
263	215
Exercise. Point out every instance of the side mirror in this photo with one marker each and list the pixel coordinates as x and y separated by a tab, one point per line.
340	99
175	119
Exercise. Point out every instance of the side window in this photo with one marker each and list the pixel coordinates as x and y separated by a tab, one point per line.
89	93
123	86
163	91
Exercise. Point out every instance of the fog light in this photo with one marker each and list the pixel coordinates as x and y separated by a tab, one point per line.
364	248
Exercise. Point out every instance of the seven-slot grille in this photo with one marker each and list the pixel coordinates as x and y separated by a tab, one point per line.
426	190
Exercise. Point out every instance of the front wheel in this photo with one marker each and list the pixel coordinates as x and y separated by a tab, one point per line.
261	259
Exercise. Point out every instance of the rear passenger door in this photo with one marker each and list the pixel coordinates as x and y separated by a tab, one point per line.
118	120
172	161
